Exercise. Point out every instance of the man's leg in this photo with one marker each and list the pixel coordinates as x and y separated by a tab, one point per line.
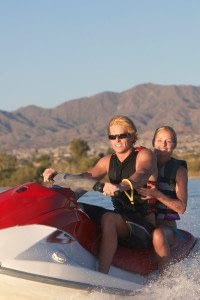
113	226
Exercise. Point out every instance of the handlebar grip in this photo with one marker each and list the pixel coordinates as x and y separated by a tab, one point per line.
98	187
51	177
118	193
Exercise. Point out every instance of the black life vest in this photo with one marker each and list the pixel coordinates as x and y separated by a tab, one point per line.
167	185
122	170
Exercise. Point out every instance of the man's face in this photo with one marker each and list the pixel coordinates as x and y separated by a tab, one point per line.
120	144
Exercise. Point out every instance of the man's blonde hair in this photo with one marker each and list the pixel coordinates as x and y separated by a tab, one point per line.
126	123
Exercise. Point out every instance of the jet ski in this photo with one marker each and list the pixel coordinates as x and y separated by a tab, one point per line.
47	240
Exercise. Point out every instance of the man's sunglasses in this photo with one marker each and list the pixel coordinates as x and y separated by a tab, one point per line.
119	136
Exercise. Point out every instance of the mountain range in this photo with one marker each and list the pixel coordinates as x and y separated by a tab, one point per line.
148	105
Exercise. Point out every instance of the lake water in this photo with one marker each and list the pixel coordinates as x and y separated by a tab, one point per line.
182	280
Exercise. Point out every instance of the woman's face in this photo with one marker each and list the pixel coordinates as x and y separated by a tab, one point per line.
120	145
164	144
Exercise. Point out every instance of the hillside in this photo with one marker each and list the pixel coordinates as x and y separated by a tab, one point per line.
149	106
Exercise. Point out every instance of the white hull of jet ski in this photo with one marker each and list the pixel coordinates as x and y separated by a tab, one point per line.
30	261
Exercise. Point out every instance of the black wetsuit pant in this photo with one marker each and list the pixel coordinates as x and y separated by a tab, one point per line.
140	230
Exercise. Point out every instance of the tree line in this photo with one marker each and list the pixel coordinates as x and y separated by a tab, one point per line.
14	171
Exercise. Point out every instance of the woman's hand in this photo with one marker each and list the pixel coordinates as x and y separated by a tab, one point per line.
150	192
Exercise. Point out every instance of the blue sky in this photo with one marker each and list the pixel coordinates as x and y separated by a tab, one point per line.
53	51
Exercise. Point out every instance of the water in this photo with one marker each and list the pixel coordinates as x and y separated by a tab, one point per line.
181	281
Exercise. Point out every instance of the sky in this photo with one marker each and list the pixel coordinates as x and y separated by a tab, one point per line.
52	51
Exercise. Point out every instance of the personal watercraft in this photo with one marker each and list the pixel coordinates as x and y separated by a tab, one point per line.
46	238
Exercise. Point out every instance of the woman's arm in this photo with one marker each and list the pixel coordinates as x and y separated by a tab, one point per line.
177	204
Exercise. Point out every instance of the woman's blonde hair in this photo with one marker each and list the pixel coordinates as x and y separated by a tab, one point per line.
170	130
126	123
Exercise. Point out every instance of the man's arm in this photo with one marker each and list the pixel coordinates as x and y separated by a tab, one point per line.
80	182
146	168
100	170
